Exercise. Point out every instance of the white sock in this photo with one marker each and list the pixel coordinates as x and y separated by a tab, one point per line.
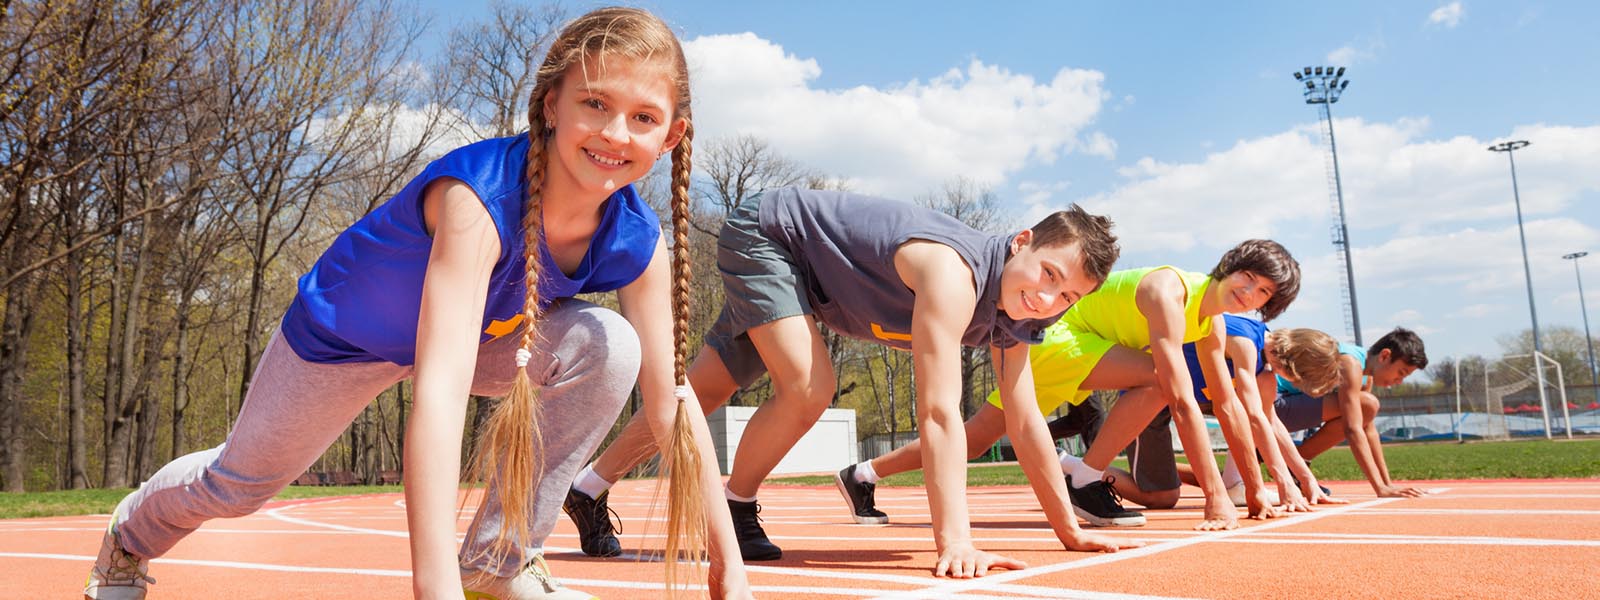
1230	473
591	483
735	497
1069	462
1083	474
865	473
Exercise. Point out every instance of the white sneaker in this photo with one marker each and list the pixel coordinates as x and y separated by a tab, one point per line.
533	582
117	575
1236	494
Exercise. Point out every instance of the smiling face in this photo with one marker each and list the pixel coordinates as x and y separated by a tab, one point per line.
1243	291
612	119
1042	282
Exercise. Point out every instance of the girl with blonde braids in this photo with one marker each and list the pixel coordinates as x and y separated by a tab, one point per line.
465	281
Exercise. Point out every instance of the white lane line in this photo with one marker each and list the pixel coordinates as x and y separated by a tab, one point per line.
1520	496
1423	542
812	573
576	583
1477	511
964	585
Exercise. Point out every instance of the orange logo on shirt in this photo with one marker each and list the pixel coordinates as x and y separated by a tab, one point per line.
877	330
498	328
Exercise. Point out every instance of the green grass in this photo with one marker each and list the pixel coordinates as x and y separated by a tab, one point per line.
1533	459
100	502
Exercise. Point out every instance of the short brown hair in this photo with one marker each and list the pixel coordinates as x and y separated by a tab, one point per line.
1096	244
1268	259
1310	358
1402	344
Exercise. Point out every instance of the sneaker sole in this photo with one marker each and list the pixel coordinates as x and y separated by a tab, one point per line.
1099	521
860	520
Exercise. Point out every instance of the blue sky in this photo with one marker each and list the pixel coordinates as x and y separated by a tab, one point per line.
1181	121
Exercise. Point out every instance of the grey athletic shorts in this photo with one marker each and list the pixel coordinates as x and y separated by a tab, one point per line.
761	283
1298	412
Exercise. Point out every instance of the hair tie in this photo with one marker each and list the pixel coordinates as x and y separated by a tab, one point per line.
522	357
681	392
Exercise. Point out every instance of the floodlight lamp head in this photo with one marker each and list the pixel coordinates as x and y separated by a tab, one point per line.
1319	71
1575	255
1344	85
1341	72
1308	70
1297	76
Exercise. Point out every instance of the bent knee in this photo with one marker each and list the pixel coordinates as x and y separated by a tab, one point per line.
1163	499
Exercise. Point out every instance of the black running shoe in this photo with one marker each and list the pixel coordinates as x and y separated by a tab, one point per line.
753	542
859	496
1098	504
597	534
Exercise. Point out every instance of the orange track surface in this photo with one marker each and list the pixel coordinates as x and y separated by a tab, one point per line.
1495	539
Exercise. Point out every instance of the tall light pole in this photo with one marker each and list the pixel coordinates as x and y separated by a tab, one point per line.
1510	149
1324	85
1594	374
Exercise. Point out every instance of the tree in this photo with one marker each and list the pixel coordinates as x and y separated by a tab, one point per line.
1565	344
496	61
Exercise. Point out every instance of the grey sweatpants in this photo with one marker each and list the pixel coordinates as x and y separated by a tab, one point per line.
584	363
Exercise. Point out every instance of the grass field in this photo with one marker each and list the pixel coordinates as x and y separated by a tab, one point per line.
1531	459
93	502
1485	460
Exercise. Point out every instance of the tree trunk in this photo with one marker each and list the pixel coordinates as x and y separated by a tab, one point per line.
180	381
77	476
110	390
149	415
17	324
119	444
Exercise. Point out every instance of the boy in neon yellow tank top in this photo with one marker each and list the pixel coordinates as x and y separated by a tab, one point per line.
1128	335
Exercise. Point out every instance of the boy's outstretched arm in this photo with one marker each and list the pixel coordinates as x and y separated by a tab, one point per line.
1243	354
1160	298
945	300
1369	424
1355	430
1238	428
1030	438
1291	455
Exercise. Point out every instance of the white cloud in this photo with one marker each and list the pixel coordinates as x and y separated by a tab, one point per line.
1347	55
982	121
1405	316
1395	181
1431	220
1448	15
1477	311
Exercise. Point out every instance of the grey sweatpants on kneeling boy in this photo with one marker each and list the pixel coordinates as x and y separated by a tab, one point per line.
584	363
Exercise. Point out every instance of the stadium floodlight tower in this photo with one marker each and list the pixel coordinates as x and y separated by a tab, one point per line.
1324	85
1510	148
1594	374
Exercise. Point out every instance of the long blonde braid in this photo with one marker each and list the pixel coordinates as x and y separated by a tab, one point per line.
686	515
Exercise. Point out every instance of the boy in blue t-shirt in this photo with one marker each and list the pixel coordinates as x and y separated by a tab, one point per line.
1349	412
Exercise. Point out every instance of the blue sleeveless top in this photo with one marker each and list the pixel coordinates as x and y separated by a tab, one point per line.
1244	327
361	300
1285	388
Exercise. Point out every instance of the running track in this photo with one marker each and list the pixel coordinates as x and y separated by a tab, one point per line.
1469	539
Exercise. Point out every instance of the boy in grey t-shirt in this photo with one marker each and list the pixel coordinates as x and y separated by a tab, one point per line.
894	274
